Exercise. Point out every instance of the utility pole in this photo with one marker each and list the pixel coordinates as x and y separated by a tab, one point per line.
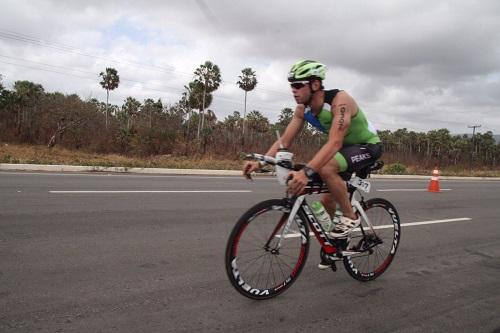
473	144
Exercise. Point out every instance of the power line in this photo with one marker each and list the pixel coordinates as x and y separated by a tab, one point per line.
8	34
145	85
81	71
93	77
45	70
44	64
87	77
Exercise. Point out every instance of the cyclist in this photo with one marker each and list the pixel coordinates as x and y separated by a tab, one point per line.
352	143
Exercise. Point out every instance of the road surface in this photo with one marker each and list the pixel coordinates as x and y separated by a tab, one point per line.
136	253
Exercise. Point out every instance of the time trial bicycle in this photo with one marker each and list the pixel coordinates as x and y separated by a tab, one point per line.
269	244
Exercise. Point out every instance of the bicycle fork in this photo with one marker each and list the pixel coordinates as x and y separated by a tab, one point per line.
372	240
355	203
291	217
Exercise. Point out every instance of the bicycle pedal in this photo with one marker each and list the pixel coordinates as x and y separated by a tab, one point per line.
328	260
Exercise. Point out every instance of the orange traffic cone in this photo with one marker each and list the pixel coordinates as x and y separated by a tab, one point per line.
434	183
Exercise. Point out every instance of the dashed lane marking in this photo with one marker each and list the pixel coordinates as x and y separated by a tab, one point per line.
408	224
408	189
188	191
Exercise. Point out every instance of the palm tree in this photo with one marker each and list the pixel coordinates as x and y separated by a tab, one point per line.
247	82
151	108
258	122
183	105
4	95
211	118
110	81
130	109
233	122
198	99
285	117
208	74
27	94
194	91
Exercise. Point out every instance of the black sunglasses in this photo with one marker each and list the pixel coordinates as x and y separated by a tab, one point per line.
298	85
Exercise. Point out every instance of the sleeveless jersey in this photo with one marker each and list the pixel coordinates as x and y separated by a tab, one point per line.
360	131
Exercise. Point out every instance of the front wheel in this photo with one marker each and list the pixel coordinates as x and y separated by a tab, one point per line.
257	264
378	246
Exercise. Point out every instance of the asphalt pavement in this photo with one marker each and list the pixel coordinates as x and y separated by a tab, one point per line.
145	253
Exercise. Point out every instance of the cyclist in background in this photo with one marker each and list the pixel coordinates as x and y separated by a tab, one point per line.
352	142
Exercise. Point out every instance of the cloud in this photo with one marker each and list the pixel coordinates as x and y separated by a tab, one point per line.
421	65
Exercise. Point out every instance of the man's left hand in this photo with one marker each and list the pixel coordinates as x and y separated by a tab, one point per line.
297	184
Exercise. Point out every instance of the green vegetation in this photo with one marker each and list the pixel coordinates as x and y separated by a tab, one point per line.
188	134
29	154
395	169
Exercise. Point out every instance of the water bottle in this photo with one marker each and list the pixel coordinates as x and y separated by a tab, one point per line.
322	215
284	165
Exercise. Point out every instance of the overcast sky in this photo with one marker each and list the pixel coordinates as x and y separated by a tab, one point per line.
422	64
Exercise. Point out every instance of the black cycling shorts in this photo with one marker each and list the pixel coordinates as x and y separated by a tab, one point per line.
355	157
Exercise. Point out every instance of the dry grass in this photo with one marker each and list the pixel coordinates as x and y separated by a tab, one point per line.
454	171
12	153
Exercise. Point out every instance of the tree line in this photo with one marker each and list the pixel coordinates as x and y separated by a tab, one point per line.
189	127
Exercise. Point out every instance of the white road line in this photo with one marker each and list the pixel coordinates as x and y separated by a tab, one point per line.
194	191
128	175
408	224
408	189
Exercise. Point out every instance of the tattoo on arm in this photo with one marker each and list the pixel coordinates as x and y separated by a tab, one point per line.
342	115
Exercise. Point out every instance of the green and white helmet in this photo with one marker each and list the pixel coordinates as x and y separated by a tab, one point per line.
306	70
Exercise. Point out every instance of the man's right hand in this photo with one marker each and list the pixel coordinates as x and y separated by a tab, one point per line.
249	167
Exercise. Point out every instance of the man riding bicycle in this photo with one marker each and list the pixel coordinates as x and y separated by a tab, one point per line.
352	142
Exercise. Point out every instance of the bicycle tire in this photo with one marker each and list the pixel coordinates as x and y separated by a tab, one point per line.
253	268
385	220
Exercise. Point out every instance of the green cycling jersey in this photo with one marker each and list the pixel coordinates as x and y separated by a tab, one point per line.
360	131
